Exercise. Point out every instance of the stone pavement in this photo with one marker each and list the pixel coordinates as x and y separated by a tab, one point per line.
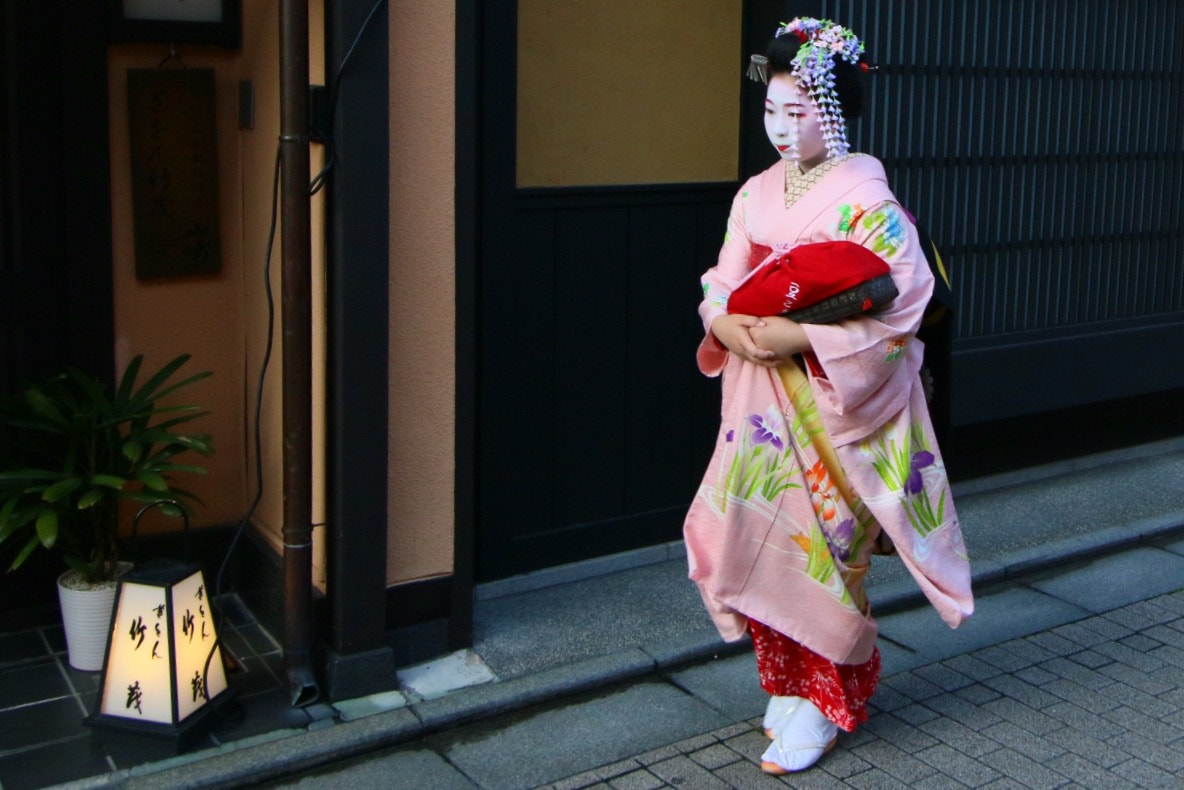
1063	679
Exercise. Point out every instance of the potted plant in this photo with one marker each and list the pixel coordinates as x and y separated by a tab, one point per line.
72	451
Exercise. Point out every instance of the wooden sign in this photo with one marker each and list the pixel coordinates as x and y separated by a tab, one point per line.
174	163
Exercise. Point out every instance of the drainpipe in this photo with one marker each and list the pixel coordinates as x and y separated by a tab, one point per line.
296	314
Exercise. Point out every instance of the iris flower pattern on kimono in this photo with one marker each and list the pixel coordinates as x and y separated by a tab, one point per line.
813	460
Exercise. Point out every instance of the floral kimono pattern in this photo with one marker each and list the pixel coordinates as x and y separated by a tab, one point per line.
812	460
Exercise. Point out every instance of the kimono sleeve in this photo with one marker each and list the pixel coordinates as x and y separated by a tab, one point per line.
860	356
720	280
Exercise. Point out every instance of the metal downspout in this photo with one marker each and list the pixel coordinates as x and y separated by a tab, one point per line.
296	312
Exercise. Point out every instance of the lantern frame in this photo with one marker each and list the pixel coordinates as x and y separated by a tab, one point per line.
183	728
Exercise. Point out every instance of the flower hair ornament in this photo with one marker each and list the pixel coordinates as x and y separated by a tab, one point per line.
813	69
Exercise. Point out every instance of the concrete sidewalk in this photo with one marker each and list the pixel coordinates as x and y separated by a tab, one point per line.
1052	547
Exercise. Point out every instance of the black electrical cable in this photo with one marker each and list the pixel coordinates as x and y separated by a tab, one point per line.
324	136
275	197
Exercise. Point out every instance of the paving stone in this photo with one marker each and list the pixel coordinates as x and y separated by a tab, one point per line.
581	781
1088	747
1107	629
1016	766
1151	681
1077	672
1128	696
1084	721
1054	643
876	779
843	762
1143	614
675	749
1012	687
1170	654
898	732
1146	775
715	756
1165	757
1132	658
956	765
1166	635
1003	660
943	676
1091	659
733	730
972	667
1021	714
1087	774
638	780
912	686
1036	676
887	698
1079	695
1079	634
1004	783
1142	642
1143	725
979	693
751	745
887	757
683	773
746	776
1028	649
961	712
1172	602
916	714
1015	737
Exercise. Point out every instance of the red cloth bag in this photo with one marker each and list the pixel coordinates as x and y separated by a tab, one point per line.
816	284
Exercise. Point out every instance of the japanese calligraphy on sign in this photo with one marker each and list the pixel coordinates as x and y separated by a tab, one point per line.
174	169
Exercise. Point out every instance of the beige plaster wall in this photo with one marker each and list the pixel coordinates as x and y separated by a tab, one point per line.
222	319
198	315
422	293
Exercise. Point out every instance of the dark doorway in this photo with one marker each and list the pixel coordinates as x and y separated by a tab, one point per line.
55	213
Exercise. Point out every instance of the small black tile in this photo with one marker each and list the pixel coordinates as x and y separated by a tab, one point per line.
260	713
234	610
83	681
32	682
53	764
129	749
40	723
21	646
56	636
254	678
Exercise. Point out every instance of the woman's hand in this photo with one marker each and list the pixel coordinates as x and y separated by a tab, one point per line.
735	333
779	335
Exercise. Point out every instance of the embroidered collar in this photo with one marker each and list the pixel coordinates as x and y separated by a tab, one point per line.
797	183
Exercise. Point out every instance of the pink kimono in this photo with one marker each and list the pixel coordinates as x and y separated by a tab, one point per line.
813	460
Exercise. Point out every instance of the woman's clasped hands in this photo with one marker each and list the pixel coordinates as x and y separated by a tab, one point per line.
764	341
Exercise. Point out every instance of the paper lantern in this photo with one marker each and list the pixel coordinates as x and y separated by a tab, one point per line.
163	672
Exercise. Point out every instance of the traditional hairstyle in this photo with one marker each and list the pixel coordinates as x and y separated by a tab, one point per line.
825	59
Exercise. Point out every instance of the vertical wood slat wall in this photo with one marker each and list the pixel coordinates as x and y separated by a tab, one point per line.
1041	144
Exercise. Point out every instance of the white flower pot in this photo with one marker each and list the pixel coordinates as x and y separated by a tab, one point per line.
86	615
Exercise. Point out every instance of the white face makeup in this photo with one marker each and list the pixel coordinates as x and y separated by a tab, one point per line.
791	122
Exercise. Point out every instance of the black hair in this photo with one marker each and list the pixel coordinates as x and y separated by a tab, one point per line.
848	76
